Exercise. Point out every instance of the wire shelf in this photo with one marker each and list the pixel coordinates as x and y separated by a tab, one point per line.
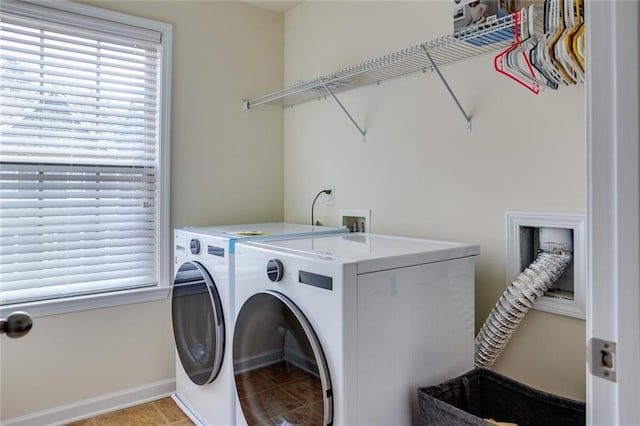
478	40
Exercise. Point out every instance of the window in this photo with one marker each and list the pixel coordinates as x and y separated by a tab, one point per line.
84	126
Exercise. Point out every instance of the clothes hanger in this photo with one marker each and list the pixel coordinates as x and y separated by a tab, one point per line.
536	60
499	59
558	20
579	46
564	48
579	23
572	47
531	44
541	54
559	52
511	58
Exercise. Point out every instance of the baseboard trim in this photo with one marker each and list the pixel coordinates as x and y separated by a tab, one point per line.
95	406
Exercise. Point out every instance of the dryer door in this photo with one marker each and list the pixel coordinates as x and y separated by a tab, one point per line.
280	369
198	323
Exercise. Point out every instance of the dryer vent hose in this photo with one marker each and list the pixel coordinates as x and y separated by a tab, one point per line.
515	303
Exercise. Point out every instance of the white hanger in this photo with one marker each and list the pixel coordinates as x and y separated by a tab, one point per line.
513	57
545	47
536	61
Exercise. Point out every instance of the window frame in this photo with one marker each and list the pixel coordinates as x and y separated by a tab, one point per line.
106	19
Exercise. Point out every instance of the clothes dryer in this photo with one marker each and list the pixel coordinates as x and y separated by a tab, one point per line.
342	330
203	312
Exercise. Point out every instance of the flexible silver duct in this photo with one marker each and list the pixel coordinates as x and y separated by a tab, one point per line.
515	302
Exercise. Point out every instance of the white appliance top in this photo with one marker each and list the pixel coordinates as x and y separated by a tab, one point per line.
262	230
371	252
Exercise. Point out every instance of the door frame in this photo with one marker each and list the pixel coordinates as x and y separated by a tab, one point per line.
613	205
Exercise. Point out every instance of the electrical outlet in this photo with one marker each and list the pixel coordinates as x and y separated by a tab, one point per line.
330	199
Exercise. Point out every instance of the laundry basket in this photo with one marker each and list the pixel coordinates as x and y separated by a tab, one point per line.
481	394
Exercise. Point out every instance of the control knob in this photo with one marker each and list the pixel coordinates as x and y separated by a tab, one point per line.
194	246
275	270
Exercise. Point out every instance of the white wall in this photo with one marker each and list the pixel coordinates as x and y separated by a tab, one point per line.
422	173
226	167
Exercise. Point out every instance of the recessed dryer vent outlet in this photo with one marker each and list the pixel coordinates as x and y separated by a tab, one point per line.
530	233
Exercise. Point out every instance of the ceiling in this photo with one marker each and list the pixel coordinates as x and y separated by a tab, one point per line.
279	6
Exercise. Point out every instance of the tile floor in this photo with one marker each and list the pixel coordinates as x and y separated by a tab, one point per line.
281	394
157	413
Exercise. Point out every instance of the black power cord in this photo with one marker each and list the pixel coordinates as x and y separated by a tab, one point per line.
324	191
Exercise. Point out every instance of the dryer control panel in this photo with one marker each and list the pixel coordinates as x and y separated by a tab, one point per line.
275	270
194	246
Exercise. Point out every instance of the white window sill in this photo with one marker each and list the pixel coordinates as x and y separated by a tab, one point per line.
83	303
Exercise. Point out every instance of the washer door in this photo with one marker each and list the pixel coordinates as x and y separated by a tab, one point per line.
280	369
198	323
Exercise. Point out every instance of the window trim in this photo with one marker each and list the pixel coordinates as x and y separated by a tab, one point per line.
53	11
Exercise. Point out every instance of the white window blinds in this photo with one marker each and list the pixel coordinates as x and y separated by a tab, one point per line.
79	159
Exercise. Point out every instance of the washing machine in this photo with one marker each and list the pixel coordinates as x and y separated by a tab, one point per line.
203	312
342	330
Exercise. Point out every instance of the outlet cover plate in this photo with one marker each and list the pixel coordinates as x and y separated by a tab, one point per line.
330	199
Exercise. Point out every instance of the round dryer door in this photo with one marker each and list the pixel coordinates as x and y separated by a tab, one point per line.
198	323
281	372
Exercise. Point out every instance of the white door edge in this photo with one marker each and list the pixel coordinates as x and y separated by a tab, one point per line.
613	211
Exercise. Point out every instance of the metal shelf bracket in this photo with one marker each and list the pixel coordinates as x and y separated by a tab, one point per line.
362	132
435	68
488	37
